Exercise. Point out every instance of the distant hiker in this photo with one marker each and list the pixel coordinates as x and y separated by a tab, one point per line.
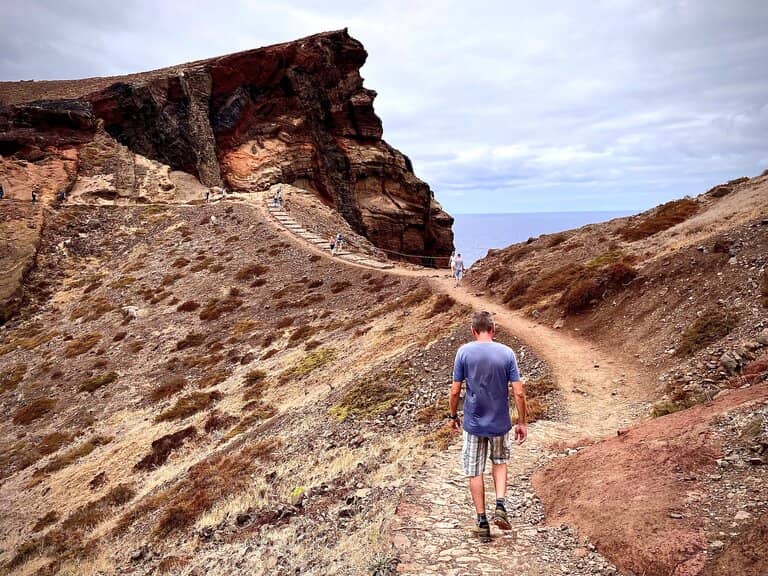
277	199
458	269
331	244
34	195
2	192
453	263
338	243
61	195
207	195
487	367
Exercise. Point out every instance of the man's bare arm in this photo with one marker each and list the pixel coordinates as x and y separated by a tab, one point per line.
453	403
521	430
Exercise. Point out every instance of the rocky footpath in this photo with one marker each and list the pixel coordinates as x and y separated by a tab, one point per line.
294	113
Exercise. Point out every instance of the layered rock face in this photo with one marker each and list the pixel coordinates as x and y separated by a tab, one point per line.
295	113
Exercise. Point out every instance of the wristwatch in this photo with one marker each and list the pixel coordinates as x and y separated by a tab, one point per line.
453	416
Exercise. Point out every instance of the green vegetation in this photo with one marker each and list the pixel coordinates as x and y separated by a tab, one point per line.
373	395
312	361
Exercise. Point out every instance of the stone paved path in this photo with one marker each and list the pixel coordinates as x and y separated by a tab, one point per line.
287	222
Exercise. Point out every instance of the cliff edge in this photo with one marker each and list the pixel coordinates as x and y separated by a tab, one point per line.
294	113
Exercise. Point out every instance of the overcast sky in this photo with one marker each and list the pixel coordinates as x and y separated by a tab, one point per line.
508	106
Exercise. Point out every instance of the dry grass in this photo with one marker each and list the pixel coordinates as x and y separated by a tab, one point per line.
251	272
443	303
213	378
171	565
82	345
580	295
44	521
214	309
433	413
712	326
162	448
218	421
33	410
96	382
441	438
29	342
10	377
168	387
662	218
74	455
764	290
302	333
180	262
95	512
91	310
188	306
189	405
191	340
53	442
210	482
260	409
340	286
413	298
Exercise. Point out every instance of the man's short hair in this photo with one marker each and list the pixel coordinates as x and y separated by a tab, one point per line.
482	322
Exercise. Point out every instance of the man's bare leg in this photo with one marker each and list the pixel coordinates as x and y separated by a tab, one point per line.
499	473
477	489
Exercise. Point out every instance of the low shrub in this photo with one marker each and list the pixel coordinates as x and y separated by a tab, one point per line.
96	382
44	521
764	290
373	395
709	328
213	378
253	377
580	295
302	333
188	306
210	481
92	514
73	455
662	218
180	262
90	311
10	377
260	409
250	272
216	307
52	442
191	340
340	286
162	447
82	345
189	405
315	283
34	410
218	421
284	322
515	290
443	303
168	387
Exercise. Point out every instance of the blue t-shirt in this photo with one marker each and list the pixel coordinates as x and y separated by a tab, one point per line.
488	367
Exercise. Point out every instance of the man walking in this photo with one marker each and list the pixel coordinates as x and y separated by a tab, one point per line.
458	269
488	367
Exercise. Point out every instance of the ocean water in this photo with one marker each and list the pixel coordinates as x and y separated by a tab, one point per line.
475	234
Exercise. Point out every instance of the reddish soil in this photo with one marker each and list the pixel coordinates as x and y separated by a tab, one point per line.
627	494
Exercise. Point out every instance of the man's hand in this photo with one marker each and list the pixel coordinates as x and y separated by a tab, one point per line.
456	424
521	433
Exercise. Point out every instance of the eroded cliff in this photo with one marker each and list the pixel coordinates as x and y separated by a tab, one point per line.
296	113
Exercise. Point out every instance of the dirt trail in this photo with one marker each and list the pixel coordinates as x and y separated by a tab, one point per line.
601	392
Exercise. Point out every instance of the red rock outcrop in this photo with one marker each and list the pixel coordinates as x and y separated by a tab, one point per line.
295	113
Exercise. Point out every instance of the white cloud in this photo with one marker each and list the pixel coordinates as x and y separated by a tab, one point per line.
623	103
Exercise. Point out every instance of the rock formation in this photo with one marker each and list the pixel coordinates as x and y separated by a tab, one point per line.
295	113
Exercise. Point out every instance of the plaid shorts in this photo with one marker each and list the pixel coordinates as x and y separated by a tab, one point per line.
475	452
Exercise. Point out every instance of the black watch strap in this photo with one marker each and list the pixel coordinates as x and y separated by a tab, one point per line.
453	416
